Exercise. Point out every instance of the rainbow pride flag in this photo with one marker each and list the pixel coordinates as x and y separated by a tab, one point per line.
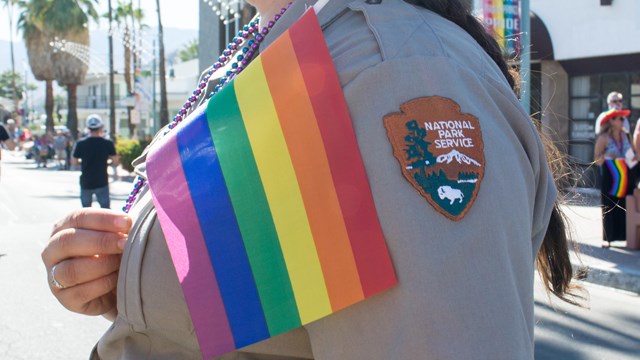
620	176
502	20
264	200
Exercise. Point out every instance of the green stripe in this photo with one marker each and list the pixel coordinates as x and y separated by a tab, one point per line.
252	211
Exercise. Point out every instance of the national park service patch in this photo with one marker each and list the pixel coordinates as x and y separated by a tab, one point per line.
441	152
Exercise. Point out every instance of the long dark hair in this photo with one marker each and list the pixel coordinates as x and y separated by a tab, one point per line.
553	263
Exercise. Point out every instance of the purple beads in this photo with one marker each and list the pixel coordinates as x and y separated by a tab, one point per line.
237	67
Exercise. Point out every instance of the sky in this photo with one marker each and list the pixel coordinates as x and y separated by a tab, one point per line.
175	13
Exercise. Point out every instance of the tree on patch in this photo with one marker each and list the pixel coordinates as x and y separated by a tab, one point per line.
417	148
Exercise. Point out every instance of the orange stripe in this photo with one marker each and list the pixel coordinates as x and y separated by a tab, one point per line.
311	165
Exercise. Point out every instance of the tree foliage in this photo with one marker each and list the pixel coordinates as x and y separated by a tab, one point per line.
417	147
7	79
189	51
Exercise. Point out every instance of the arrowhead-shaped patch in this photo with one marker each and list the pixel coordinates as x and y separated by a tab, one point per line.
440	151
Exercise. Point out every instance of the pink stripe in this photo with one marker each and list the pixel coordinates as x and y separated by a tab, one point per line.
176	212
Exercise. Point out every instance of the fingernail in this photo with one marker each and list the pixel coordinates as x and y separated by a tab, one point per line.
122	243
122	222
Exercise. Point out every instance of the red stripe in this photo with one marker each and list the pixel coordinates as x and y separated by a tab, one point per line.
352	186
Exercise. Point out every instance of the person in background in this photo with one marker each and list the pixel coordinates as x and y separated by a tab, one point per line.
14	132
94	153
59	145
68	149
611	147
43	150
614	101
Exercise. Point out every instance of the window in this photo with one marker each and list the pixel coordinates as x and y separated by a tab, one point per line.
588	97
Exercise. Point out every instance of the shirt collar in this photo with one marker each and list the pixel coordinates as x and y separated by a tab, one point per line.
328	12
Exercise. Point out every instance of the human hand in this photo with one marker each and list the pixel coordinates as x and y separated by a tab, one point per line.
83	257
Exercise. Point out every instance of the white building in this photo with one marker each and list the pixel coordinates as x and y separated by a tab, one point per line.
93	97
581	51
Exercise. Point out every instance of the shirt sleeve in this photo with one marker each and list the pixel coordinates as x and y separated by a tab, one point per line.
112	149
511	140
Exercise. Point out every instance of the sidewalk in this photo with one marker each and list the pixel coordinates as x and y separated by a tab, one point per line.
616	267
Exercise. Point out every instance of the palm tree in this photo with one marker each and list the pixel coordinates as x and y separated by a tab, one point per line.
39	50
164	112
122	15
9	5
68	19
136	16
112	99
189	51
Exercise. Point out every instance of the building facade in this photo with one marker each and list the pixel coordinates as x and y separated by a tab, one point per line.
581	51
93	97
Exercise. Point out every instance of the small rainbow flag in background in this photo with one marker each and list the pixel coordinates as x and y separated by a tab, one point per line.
264	200
620	176
502	20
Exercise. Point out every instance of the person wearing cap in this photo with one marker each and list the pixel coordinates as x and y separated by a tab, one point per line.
94	153
612	145
614	101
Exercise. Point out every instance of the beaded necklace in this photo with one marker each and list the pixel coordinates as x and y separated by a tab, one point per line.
619	144
241	61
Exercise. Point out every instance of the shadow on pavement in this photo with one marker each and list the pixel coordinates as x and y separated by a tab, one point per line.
584	331
546	350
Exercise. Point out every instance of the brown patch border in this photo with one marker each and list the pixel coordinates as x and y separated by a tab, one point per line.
398	153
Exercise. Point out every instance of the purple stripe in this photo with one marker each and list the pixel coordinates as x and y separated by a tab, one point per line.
615	174
181	227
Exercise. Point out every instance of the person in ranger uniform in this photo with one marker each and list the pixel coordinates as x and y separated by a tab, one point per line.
460	181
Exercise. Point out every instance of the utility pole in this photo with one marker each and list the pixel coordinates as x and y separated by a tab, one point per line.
112	93
16	101
525	56
25	118
153	90
164	111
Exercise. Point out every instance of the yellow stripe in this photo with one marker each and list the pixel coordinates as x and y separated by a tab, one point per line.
499	19
283	193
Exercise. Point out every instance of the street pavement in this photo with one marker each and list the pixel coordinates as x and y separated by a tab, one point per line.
616	267
33	325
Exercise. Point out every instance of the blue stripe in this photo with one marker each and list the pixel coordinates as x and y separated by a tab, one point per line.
221	232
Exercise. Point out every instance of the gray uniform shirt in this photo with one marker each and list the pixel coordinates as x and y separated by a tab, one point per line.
465	287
